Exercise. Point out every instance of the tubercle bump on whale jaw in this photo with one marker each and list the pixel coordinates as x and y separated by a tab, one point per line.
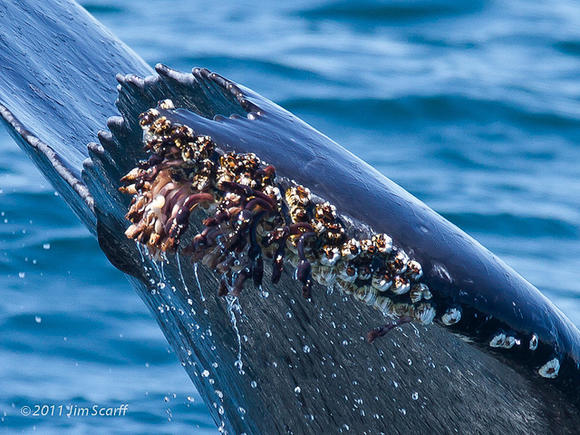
113	159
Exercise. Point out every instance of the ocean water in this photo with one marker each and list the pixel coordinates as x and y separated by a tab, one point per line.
474	107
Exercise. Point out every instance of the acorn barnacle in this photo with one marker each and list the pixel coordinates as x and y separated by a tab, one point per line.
533	345
400	285
502	340
381	281
329	255
550	369
347	272
298	196
350	249
367	248
398	262
383	243
414	270
451	316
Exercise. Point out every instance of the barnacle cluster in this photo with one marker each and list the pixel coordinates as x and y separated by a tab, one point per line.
252	215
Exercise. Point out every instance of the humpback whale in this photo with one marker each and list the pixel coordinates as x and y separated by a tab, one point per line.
472	346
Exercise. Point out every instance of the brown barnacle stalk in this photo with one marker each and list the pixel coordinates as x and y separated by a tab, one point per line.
247	218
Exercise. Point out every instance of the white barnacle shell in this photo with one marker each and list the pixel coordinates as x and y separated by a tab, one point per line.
329	256
298	196
550	369
504	341
498	340
383	304
246	180
319	226
381	282
400	285
425	313
414	270
325	210
350	249
533	342
398	263
451	316
273	192
366	245
166	104
510	342
383	243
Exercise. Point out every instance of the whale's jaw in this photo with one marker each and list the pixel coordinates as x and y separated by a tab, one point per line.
316	348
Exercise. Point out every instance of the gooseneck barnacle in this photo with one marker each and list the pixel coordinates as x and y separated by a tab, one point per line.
252	215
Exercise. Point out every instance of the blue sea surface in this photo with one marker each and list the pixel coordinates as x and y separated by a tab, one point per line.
474	107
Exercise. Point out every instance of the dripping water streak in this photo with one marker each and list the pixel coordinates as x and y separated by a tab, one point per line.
140	251
181	273
233	305
198	283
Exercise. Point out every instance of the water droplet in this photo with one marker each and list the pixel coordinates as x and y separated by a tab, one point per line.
297	390
46	246
21	274
415	396
306	349
205	373
37	319
254	384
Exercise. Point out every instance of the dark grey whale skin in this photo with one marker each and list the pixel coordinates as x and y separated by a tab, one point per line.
56	91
